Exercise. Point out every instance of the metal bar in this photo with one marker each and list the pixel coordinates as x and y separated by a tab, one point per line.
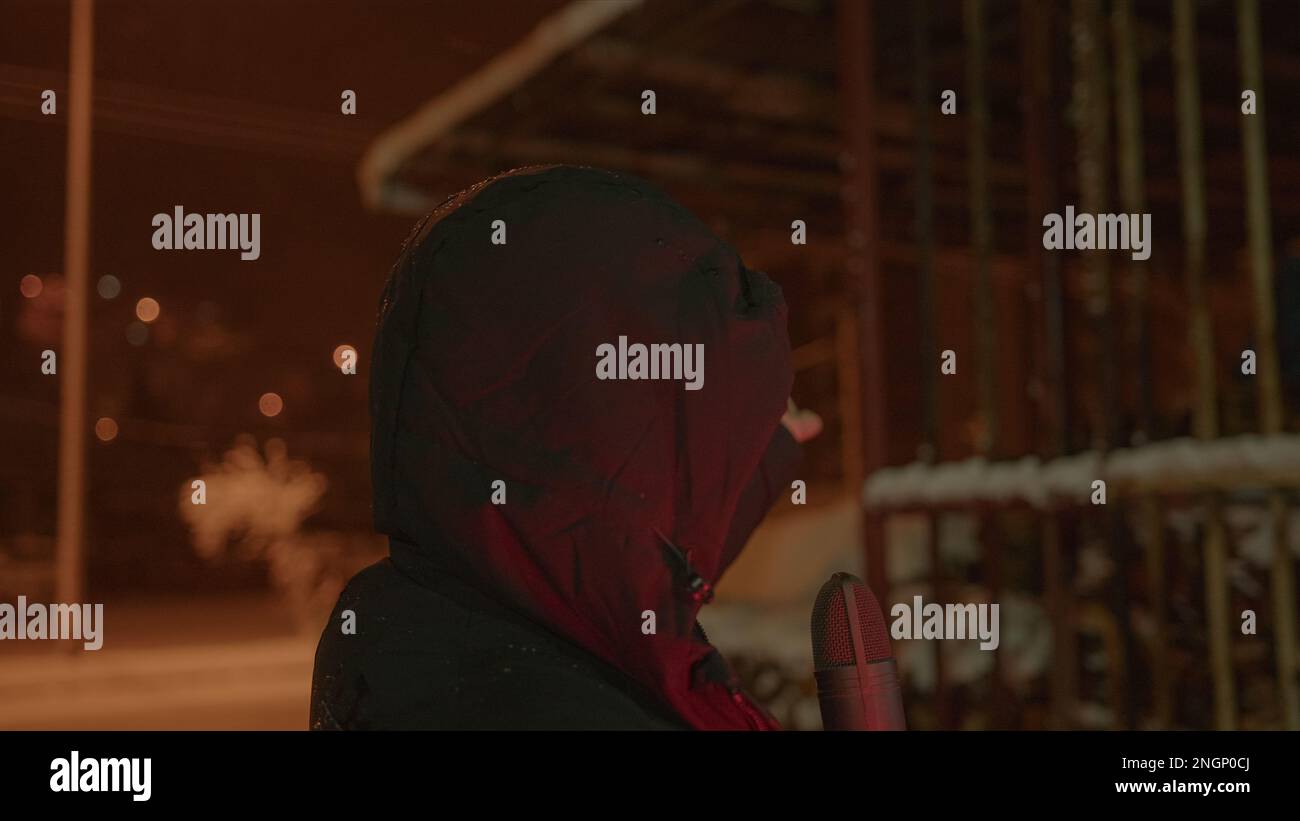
923	103
1191	172
1093	107
1037	68
848	383
865	288
1132	191
1162	701
554	35
1260	238
1205	419
69	557
981	226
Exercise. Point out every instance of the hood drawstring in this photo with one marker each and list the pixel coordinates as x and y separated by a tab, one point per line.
698	588
757	719
714	671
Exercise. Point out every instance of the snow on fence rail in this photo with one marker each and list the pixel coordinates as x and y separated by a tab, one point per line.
1172	466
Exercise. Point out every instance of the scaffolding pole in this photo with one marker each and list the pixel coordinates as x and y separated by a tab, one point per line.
988	440
1093	111
981	227
1037	35
69	557
923	103
1260	238
855	41
1205	417
1132	189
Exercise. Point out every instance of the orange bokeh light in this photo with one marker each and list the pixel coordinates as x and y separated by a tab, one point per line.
147	309
31	286
338	354
270	404
106	429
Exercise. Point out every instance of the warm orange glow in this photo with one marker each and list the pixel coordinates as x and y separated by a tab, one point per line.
147	309
270	404
31	286
106	429
338	354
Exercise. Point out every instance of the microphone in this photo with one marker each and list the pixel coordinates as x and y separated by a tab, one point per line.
857	678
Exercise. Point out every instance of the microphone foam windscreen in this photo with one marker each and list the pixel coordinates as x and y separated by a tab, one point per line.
832	643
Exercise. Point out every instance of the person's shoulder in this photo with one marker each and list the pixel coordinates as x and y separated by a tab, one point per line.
381	605
398	654
389	644
380	577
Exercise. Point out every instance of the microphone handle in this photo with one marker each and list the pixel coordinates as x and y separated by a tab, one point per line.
872	701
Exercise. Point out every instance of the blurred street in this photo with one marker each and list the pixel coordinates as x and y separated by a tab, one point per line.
212	663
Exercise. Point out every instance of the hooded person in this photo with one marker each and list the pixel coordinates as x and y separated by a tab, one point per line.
557	519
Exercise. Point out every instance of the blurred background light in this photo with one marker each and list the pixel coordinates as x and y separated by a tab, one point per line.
106	429
109	286
147	309
31	286
340	351
270	404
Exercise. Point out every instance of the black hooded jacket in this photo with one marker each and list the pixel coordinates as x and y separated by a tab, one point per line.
554	533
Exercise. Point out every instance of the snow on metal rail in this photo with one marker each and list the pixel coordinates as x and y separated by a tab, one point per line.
1172	466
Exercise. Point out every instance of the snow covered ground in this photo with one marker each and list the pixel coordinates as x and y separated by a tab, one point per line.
215	662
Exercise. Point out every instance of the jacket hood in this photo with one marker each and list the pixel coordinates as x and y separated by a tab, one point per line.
501	447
